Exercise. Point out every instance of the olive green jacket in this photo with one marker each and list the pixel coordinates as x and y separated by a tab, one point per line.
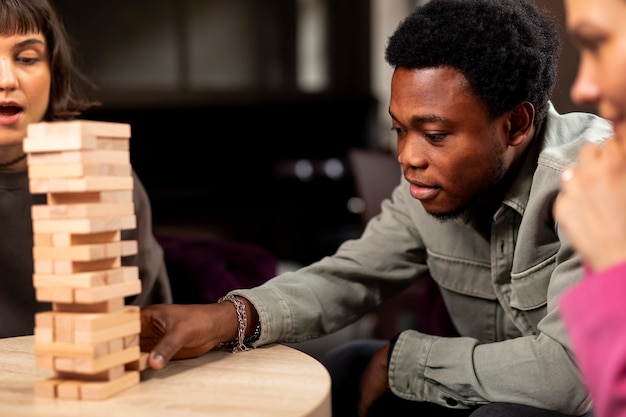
500	286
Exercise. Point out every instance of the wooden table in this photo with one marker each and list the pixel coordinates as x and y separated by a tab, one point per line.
273	380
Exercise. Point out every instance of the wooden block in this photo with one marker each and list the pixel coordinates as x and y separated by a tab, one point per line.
72	253
58	143
44	362
43	267
71	350
77	129
90	252
87	389
104	335
103	390
88	322
102	237
44	327
78	280
140	364
91	295
73	267
78	169
70	239
47	387
94	322
83	156
87	279
123	248
60	239
107	306
44	334
69	389
42	239
77	211
88	225
64	334
117	345
91	365
115	196
107	292
63	143
64	328
64	363
44	319
55	294
113	144
102	349
132	340
74	185
107	375
130	273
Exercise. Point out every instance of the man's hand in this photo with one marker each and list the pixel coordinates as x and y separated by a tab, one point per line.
374	382
171	331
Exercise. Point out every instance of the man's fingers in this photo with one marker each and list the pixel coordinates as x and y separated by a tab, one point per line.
157	337
165	350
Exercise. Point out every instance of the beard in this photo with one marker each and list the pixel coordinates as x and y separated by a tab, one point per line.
485	192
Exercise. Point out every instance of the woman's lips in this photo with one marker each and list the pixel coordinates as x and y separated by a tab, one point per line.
10	114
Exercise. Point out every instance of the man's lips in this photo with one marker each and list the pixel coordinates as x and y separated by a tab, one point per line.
423	191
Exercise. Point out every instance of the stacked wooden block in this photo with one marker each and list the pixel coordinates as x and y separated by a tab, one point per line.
90	338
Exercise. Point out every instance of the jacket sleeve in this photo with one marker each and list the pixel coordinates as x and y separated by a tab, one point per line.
155	284
336	291
594	312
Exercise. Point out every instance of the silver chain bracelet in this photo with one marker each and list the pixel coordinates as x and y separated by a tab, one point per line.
238	344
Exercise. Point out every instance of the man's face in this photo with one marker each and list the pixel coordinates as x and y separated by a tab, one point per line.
450	152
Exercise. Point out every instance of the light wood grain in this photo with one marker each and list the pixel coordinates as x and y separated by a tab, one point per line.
274	380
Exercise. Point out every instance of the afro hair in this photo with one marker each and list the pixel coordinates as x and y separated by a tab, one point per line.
507	49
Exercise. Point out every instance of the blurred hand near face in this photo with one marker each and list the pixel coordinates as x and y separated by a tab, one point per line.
592	205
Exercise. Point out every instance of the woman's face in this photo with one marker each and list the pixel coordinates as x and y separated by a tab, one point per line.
24	84
599	29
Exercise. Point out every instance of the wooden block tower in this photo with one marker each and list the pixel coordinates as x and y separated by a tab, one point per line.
90	338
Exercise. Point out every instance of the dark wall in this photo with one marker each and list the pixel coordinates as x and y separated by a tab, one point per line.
215	158
227	167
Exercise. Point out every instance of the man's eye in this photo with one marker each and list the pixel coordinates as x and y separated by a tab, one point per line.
435	137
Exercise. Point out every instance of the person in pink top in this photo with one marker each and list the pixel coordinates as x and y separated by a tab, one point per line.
591	207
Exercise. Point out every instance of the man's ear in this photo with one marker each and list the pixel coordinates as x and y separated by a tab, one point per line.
521	122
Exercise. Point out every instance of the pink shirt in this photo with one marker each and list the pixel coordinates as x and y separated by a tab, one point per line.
594	312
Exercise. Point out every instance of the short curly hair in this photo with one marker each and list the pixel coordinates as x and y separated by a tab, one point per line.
507	49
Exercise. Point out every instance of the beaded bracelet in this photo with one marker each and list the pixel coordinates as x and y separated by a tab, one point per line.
239	344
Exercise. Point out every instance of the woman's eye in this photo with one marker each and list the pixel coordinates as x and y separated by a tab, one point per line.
591	43
28	60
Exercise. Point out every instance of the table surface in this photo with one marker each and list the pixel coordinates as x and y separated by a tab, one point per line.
274	380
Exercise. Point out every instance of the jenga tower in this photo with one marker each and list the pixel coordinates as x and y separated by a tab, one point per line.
90	338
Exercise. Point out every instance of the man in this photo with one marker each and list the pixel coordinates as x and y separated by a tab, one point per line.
481	149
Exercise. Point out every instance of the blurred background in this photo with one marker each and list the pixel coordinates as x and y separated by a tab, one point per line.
243	111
